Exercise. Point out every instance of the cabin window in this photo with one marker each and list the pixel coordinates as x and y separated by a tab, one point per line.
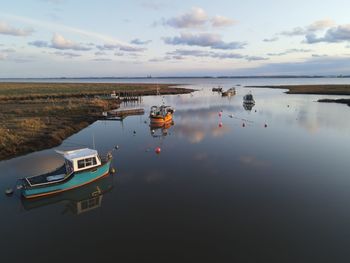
94	162
81	164
88	161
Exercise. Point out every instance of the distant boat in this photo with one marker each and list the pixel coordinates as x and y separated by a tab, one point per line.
218	89
81	167
229	92
248	99
161	114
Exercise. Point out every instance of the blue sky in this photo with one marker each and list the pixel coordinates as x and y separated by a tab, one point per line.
66	38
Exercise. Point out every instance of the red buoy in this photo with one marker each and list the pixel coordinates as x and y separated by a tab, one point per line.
220	124
220	114
158	150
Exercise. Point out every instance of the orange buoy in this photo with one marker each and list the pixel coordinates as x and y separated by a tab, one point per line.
158	150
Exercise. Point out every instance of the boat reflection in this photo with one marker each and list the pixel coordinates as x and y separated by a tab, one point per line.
160	130
248	106
77	201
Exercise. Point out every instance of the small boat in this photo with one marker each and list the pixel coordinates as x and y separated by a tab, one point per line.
77	201
161	114
248	99
229	92
218	89
81	167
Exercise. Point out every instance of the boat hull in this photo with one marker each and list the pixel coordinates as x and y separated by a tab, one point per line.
76	180
161	120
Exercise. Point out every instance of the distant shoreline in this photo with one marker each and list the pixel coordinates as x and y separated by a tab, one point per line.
321	89
37	116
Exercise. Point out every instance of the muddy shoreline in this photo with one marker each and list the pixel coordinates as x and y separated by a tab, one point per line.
322	89
37	116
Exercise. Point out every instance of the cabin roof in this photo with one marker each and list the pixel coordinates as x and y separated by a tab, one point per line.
80	153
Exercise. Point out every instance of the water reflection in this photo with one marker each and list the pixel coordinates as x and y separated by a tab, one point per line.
248	106
160	130
77	201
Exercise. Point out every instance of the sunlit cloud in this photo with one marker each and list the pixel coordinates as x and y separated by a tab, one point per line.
6	29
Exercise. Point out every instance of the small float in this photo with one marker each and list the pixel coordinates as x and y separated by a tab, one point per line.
161	114
229	92
81	167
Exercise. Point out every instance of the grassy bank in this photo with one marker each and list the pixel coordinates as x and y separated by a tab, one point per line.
324	89
36	116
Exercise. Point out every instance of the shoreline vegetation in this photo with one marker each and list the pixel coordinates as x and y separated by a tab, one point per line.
37	116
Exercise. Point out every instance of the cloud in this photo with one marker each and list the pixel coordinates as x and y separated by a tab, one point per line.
100	53
196	17
181	53
67	54
154	5
137	41
102	59
333	35
221	21
59	42
290	51
297	31
6	29
213	41
320	25
310	29
3	56
125	48
273	39
39	43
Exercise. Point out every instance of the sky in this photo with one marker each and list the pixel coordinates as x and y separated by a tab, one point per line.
137	38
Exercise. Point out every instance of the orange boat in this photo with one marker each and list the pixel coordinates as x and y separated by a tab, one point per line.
161	115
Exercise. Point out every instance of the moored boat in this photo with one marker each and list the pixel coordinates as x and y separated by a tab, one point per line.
248	99
81	167
218	89
229	92
161	114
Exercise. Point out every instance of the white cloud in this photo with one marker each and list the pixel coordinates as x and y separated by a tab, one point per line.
181	53
320	25
273	39
137	41
67	54
59	42
6	29
290	51
213	41
196	17
39	43
333	35
221	21
126	48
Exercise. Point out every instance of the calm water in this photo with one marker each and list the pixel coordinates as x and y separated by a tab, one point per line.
214	194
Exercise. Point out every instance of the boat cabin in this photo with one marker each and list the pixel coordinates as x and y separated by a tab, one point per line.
161	110
82	159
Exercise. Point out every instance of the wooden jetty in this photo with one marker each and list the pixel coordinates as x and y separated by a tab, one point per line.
120	114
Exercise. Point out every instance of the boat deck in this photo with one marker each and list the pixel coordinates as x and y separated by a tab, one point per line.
52	177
